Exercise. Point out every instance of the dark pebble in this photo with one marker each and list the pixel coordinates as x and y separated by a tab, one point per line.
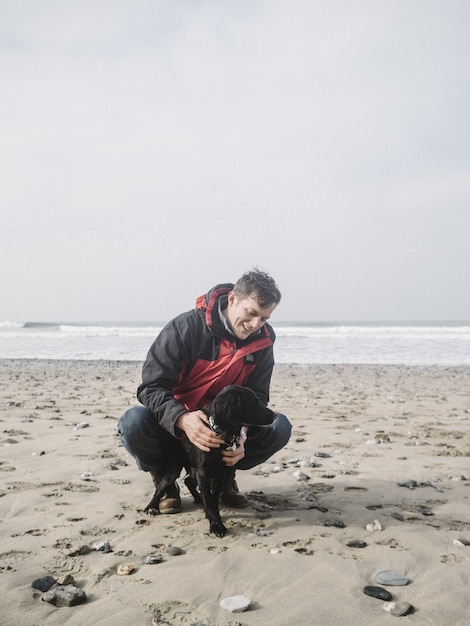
426	512
378	592
398	517
153	559
322	455
410	484
334	522
174	551
356	543
44	583
322	509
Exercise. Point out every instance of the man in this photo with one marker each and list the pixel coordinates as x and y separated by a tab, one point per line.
225	340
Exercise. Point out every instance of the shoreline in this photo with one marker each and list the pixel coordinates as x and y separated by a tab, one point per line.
277	366
365	428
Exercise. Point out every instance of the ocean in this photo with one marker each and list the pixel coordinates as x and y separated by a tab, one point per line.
410	343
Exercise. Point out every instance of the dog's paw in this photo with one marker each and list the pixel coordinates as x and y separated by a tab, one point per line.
151	510
218	529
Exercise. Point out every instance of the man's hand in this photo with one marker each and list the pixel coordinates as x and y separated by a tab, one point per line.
231	457
193	424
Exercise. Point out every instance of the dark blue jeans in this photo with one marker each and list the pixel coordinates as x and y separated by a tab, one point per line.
139	433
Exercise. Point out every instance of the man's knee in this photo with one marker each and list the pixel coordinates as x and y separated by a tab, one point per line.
283	429
270	440
277	435
135	423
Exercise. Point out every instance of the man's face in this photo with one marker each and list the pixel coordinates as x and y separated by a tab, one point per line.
245	316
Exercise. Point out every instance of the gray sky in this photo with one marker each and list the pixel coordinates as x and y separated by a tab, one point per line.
153	148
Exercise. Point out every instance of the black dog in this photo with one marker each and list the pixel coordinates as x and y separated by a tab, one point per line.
232	408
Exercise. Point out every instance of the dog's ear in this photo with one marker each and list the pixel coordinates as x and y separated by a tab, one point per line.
240	405
249	409
259	416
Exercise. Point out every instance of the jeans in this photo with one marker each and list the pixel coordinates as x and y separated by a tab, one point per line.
142	437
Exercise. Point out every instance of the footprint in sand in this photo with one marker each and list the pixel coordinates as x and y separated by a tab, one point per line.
175	613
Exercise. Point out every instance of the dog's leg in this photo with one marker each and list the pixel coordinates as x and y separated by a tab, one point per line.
191	483
211	505
160	486
218	481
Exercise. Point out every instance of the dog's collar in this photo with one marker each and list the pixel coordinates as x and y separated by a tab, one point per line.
216	430
212	424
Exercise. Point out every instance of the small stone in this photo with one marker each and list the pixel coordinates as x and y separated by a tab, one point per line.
427	512
409	484
356	543
44	583
374	526
334	522
389	577
67	595
398	516
66	579
102	546
235	604
275	551
174	551
87	476
457	477
382	438
307	461
261	531
300	476
78	550
398	609
82	425
153	559
125	569
461	542
378	592
322	455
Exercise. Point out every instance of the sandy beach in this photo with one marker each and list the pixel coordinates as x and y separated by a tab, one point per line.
384	450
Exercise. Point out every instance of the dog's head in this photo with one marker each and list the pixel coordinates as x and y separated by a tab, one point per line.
234	407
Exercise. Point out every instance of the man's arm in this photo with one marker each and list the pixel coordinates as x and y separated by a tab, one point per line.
164	366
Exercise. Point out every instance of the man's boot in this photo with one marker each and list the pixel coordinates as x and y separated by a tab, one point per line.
229	493
170	502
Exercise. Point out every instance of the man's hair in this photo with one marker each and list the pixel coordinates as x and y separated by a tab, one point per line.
258	285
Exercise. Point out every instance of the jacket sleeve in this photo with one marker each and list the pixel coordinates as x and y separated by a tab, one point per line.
260	378
165	364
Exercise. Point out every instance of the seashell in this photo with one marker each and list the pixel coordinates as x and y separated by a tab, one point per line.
125	569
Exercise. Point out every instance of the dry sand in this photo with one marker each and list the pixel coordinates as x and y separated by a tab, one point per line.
63	487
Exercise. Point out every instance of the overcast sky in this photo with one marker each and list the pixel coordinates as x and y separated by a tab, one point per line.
151	149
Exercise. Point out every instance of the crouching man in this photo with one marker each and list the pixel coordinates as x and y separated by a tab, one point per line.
224	340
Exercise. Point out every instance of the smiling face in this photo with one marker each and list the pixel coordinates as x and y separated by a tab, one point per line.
245	316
